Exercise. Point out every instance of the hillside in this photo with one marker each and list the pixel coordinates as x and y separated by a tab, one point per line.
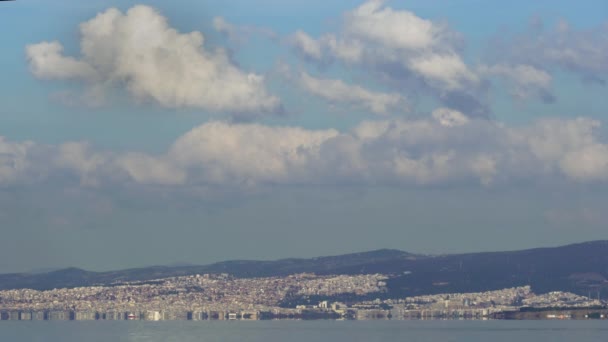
580	268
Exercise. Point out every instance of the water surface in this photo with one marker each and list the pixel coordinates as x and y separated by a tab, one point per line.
300	331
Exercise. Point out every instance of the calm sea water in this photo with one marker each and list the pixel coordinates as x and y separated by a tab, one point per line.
296	331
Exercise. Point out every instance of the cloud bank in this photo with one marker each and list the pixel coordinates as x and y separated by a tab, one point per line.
447	148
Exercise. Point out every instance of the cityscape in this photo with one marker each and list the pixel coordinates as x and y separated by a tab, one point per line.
224	297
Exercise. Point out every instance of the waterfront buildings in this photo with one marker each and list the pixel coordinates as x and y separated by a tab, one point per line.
222	297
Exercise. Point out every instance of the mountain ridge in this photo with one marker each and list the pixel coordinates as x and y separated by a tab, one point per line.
579	268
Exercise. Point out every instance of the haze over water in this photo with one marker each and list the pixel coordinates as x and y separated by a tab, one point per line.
300	331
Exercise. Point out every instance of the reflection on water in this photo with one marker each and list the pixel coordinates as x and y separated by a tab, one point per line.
296	331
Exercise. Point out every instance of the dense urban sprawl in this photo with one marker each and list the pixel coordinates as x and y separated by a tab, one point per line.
222	296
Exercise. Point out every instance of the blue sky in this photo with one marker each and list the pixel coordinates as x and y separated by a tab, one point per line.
297	129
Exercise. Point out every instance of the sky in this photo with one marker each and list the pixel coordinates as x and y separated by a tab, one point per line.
137	133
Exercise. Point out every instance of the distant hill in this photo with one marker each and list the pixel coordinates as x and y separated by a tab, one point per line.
579	268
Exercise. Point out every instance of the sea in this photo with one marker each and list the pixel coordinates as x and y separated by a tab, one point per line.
300	331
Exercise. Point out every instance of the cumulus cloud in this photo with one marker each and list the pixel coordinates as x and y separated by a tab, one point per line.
396	29
574	146
80	159
402	51
153	61
447	71
396	43
306	45
337	91
561	47
413	54
47	62
449	117
446	148
14	162
527	81
146	169
221	153
587	164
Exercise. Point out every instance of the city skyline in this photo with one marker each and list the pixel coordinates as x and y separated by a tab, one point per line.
140	133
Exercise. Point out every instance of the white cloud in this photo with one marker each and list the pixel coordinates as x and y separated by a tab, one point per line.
14	161
372	21
445	149
431	168
222	153
484	166
580	51
571	147
349	50
47	62
551	139
337	91
308	46
449	117
396	43
145	169
527	81
138	49
79	158
589	163
447	71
